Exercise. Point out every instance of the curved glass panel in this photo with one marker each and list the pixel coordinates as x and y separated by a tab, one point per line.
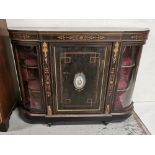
28	63
127	76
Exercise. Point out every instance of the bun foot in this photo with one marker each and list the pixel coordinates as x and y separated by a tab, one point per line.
105	123
50	124
4	126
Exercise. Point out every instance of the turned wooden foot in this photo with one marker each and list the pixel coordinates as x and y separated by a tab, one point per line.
105	123
50	124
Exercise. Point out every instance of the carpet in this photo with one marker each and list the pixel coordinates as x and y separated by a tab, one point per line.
130	126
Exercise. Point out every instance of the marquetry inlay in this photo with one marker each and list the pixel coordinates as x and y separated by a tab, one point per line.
138	37
81	37
116	49
47	77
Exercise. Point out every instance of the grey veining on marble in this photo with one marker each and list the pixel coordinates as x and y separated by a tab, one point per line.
126	127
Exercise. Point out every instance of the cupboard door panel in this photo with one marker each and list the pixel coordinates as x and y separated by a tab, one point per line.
80	74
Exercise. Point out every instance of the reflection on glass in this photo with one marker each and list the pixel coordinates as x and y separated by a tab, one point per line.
129	55
123	99
28	60
125	76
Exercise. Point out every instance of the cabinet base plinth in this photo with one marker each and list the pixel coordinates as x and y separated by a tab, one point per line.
43	118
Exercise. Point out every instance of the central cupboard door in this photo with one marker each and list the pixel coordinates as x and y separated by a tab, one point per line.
79	74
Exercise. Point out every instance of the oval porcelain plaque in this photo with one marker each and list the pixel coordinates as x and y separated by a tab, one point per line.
79	81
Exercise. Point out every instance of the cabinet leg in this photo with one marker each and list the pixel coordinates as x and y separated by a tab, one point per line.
50	124
4	126
105	123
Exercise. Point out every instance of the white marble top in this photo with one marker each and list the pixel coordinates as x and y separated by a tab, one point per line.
80	29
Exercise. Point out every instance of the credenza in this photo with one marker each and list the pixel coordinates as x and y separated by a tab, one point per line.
76	73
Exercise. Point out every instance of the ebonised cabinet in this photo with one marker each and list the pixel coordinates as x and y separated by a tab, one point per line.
76	74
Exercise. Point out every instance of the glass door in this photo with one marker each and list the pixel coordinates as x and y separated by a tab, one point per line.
127	76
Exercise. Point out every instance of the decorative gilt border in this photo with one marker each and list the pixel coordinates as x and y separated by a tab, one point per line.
24	35
55	68
79	35
47	83
21	36
79	53
112	76
138	37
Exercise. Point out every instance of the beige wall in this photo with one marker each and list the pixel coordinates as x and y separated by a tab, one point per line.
145	85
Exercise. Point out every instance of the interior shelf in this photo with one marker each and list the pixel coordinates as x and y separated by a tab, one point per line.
30	62
129	66
29	67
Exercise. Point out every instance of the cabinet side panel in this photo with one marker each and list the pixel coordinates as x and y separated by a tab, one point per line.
9	93
130	57
28	62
